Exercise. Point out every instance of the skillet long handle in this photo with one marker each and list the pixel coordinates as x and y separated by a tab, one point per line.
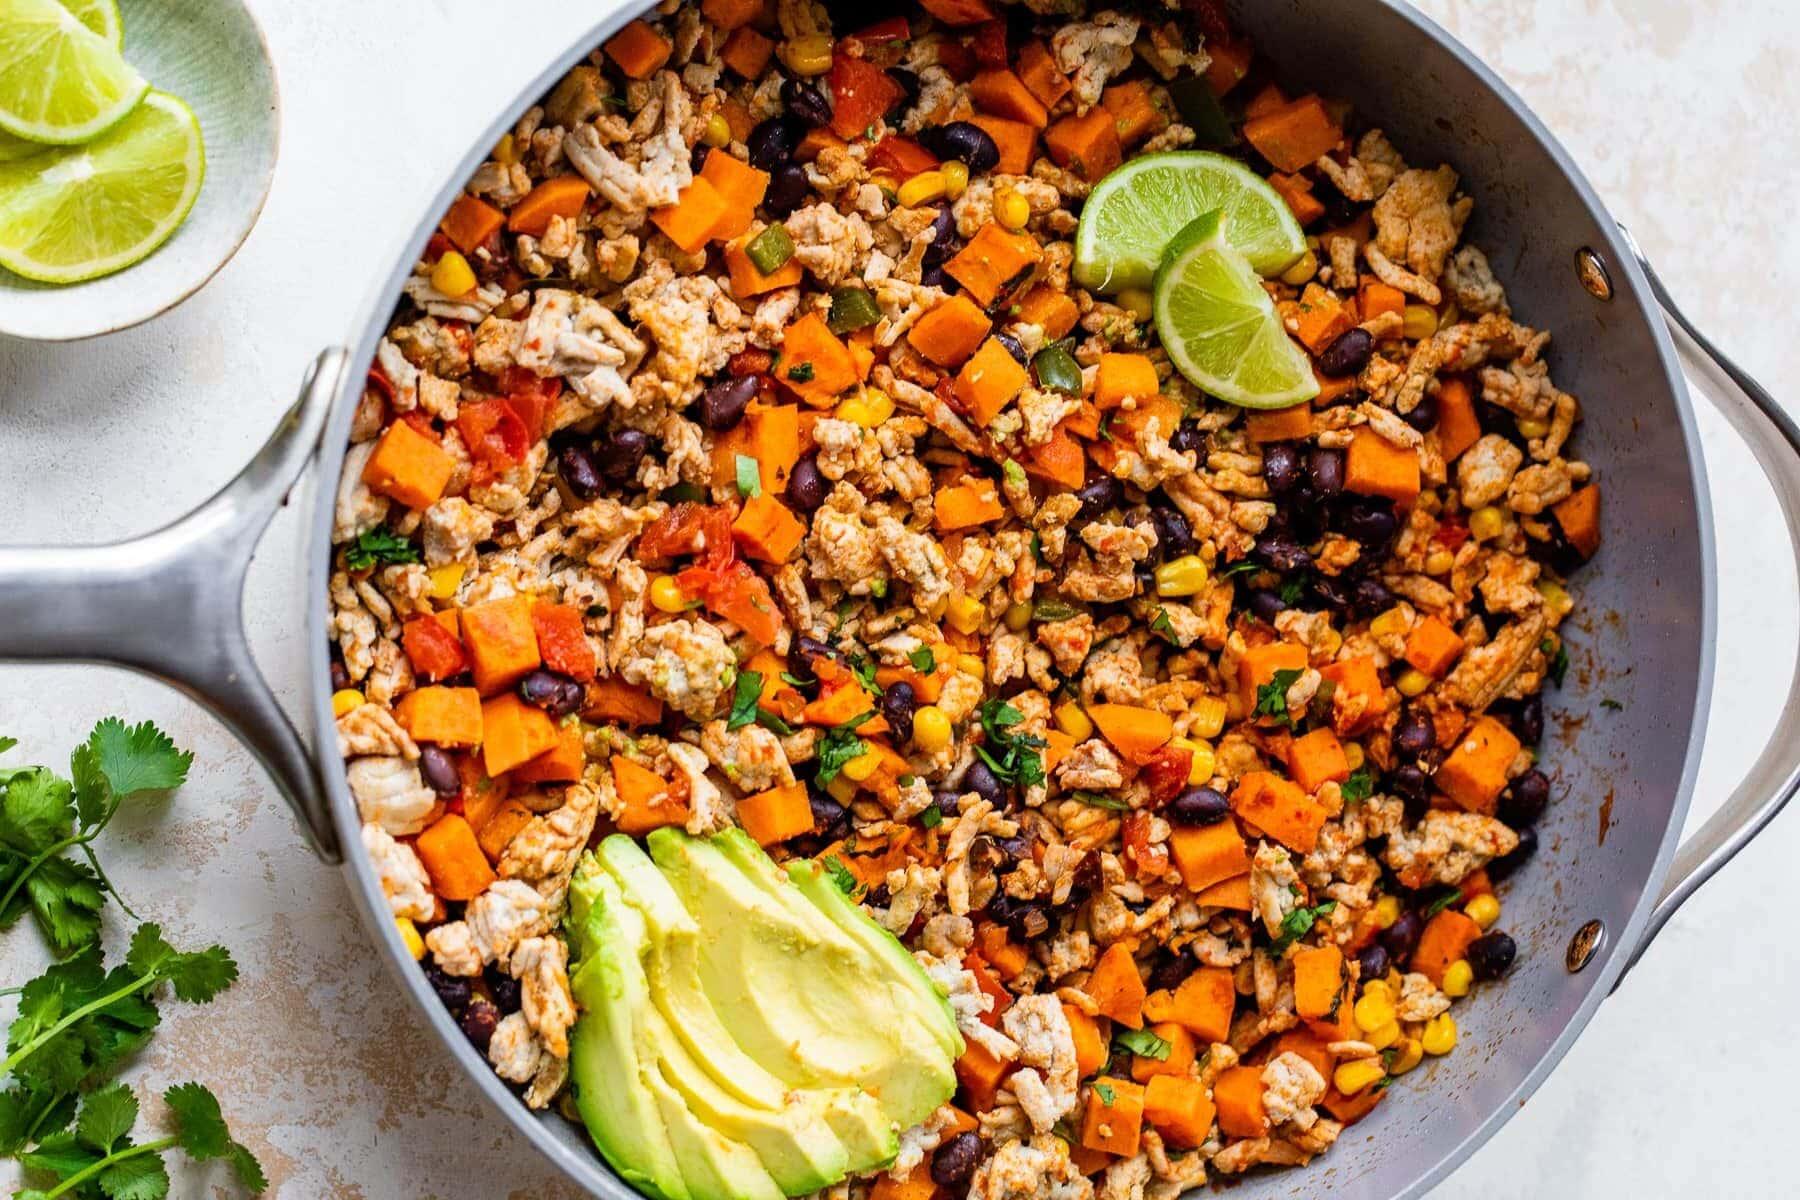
169	604
1773	779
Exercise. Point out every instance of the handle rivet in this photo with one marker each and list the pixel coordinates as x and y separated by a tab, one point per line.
1584	945
1592	273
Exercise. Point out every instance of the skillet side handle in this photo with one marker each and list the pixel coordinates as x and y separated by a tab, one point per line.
1775	776
169	604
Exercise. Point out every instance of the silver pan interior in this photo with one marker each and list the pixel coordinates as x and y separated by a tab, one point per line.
1644	635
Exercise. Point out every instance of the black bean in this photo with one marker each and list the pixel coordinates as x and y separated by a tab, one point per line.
722	405
953	1163
811	649
1089	875
1016	848
1370	597
1188	437
1399	938
1337	594
1325	470
772	143
1491	955
1348	353
1524	800
1281	467
1280	552
806	103
1424	414
1503	867
1012	346
789	188
619	453
1410	782
478	1023
579	474
1414	735
1174	536
944	242
1198	806
504	989
1526	718
439	770
909	87
898	704
557	695
452	990
831	820
1265	605
807	486
984	783
1373	961
1169	972
1099	494
340	676
1370	522
935	276
965	142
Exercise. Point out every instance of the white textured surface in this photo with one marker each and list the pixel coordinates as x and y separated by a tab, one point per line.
1682	116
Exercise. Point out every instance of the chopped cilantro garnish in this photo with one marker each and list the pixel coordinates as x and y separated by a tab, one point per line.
1299	923
1291	590
932	817
1358	786
1613	705
743	699
1161	624
1143	1043
840	875
800	373
839	745
379	545
1011	756
864	670
1271	697
923	660
1442	902
1101	800
1105	1093
1241	567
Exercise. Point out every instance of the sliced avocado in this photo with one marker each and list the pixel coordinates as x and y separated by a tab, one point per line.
933	1007
624	1119
801	997
713	1167
791	1131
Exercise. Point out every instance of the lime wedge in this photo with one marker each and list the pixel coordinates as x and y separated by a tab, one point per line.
1133	213
101	16
1219	326
60	82
77	212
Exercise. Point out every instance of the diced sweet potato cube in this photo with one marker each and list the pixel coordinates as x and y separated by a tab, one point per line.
1458	427
612	699
445	716
1180	1057
453	859
1016	141
1090	1046
1238	1092
1318	980
1122	377
767	530
995	263
1323	318
1050	310
1433	646
1280	809
1374	466
988	382
513	733
497	832
645	801
950	332
1231	893
1316	759
1178	1108
562	763
1259	664
409	467
1474	774
1296	135
1000	92
1087	144
777	814
1208	854
690	221
501	641
1117	986
1280	424
1358	701
1579	518
1203	1003
639	50
1445	939
1113	1120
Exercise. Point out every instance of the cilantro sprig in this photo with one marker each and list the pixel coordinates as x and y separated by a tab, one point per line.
379	545
1143	1043
42	816
1359	786
839	745
1271	697
99	1153
1013	757
1299	923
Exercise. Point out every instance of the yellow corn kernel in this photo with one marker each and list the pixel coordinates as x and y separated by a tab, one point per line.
931	729
1354	756
862	768
1205	761
1459	977
667	595
1387	911
1407	1055
1486	523
1357	1074
965	613
1556	596
1439	562
443	581
956	179
1302	271
1384	1037
1012	210
1378	987
409	933
1209	716
1484	910
1330	642
1072	720
879	402
1439	1036
506	150
1532	427
868	408
1018	617
807	56
346	700
1137	302
1412	682
887	181
1394	980
718	131
971	664
1419	322
922	188
1183	576
453	276
1391	623
1373	1010
842	788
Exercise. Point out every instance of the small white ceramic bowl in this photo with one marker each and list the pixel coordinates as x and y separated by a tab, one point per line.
212	54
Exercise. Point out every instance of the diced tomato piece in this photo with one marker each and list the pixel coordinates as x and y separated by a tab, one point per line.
903	156
1451	535
1134	831
436	246
380	382
734	590
1166	774
988	41
530	397
958	60
861	93
434	651
494	433
988	982
421	423
894	29
563	642
689	528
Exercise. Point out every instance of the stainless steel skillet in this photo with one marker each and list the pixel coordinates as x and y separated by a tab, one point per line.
168	604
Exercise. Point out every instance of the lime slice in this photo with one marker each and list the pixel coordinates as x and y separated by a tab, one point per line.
77	212
1133	213
60	82
1219	326
101	16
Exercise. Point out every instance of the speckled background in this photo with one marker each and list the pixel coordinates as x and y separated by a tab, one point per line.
1682	116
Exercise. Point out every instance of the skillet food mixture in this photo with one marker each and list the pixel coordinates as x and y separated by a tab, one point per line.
744	471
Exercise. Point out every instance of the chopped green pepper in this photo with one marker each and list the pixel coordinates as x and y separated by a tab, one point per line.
1200	111
770	249
1056	370
1052	610
852	308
